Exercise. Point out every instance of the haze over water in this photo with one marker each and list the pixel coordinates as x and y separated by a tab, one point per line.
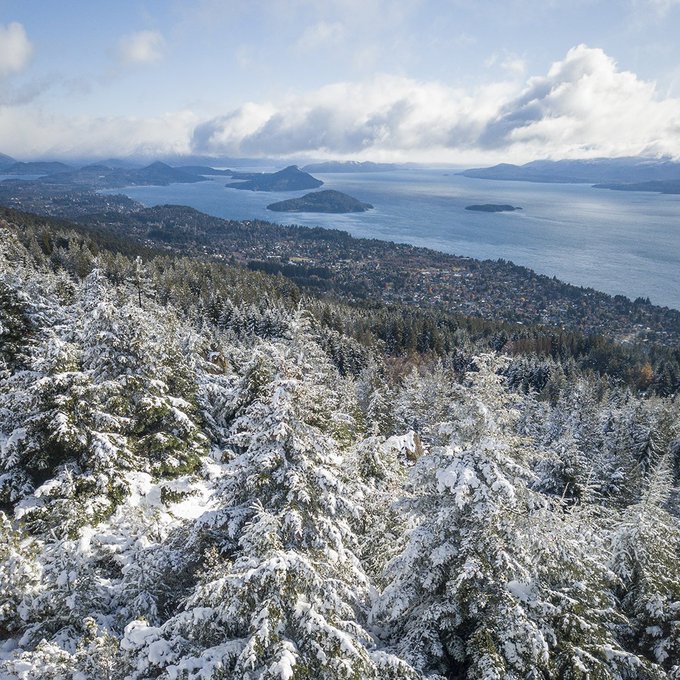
618	242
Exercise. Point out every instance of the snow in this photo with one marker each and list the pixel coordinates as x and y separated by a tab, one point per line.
139	634
522	591
284	667
272	535
159	651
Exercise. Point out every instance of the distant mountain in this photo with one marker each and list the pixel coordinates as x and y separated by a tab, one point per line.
6	161
36	168
118	163
160	173
593	171
349	166
100	176
288	179
671	186
203	170
328	201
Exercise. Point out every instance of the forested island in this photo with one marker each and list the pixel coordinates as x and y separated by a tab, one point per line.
492	207
288	179
327	201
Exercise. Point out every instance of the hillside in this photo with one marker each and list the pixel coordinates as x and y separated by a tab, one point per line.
36	168
328	201
6	161
203	473
489	290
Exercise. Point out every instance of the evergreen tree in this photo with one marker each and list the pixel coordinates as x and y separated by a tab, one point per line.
646	557
284	595
496	582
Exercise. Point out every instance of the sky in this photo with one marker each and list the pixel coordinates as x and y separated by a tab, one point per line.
440	81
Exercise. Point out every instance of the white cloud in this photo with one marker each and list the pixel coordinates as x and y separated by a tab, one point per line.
584	106
514	65
511	63
388	113
143	47
15	49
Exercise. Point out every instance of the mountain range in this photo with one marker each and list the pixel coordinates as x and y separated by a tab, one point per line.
591	171
349	166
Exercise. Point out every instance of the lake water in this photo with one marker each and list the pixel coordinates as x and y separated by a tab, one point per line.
618	242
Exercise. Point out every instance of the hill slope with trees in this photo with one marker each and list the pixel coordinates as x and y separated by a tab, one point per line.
202	476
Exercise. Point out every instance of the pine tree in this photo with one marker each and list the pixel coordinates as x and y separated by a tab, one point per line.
497	581
19	575
646	557
284	594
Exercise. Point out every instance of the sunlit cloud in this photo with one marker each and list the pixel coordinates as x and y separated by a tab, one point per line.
583	106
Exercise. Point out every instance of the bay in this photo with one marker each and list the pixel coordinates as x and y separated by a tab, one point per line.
624	243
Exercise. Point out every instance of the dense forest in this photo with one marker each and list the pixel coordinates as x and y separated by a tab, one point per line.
207	472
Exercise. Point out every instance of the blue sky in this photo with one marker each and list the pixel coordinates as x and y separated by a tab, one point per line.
421	80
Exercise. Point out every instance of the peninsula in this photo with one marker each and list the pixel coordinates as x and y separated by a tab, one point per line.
583	171
669	186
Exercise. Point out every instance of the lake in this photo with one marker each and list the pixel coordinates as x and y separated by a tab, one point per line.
618	242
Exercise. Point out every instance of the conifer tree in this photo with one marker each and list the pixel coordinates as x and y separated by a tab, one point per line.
496	582
284	595
646	558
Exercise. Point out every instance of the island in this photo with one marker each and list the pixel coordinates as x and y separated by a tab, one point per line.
288	179
327	201
492	207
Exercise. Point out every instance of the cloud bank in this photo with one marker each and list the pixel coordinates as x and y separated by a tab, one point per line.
33	134
584	106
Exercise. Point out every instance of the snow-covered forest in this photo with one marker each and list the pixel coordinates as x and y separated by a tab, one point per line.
204	477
